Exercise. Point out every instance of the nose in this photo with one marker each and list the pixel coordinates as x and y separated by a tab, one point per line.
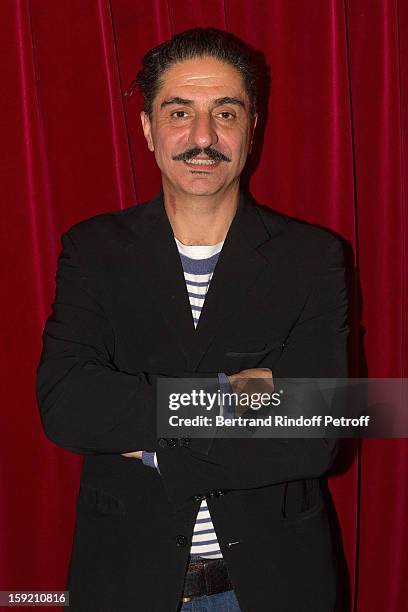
203	133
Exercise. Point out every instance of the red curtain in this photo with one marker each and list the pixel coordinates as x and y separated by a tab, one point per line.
334	152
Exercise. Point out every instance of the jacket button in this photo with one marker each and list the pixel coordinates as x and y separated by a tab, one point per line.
172	442
198	497
215	493
181	540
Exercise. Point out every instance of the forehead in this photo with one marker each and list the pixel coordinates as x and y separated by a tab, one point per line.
202	76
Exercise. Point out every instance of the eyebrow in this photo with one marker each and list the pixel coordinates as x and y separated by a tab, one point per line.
216	102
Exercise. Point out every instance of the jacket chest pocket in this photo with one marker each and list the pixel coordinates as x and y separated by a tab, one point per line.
246	355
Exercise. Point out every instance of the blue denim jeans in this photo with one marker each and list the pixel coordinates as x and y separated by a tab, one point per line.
220	602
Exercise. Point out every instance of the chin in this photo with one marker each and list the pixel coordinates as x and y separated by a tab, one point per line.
201	191
201	186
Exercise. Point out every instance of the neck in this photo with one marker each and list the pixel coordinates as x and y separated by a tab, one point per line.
200	220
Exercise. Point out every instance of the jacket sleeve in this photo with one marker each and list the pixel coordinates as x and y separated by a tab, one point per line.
315	348
86	404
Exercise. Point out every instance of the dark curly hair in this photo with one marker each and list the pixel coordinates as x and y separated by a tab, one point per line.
198	42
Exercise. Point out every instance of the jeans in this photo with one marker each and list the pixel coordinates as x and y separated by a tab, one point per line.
220	602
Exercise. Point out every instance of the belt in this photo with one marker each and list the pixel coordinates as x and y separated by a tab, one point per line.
205	577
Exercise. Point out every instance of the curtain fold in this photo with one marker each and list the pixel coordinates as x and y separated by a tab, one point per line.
332	150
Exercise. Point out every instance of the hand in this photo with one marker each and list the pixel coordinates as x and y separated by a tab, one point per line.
134	455
253	380
242	379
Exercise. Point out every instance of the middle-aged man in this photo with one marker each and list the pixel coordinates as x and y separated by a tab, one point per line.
198	282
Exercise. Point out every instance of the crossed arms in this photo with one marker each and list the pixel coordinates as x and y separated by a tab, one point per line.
88	406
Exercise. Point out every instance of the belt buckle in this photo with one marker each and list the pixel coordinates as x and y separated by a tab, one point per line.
186	599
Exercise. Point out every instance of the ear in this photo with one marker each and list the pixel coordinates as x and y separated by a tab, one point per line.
147	130
252	131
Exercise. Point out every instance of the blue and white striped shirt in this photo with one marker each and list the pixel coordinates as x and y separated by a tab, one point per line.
198	266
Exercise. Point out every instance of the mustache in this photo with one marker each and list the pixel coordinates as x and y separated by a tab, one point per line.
211	153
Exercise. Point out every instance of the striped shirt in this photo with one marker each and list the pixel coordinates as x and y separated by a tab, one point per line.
198	265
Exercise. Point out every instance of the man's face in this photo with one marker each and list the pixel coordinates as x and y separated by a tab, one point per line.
202	103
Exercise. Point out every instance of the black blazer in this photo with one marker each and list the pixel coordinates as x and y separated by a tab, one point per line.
121	317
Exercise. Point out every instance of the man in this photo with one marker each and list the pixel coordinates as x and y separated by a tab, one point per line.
199	282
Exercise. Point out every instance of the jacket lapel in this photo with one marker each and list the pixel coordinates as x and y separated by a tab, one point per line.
157	263
238	268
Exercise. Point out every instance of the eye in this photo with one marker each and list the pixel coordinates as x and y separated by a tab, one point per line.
179	114
226	115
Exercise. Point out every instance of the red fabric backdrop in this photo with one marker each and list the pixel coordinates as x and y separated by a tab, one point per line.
333	153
